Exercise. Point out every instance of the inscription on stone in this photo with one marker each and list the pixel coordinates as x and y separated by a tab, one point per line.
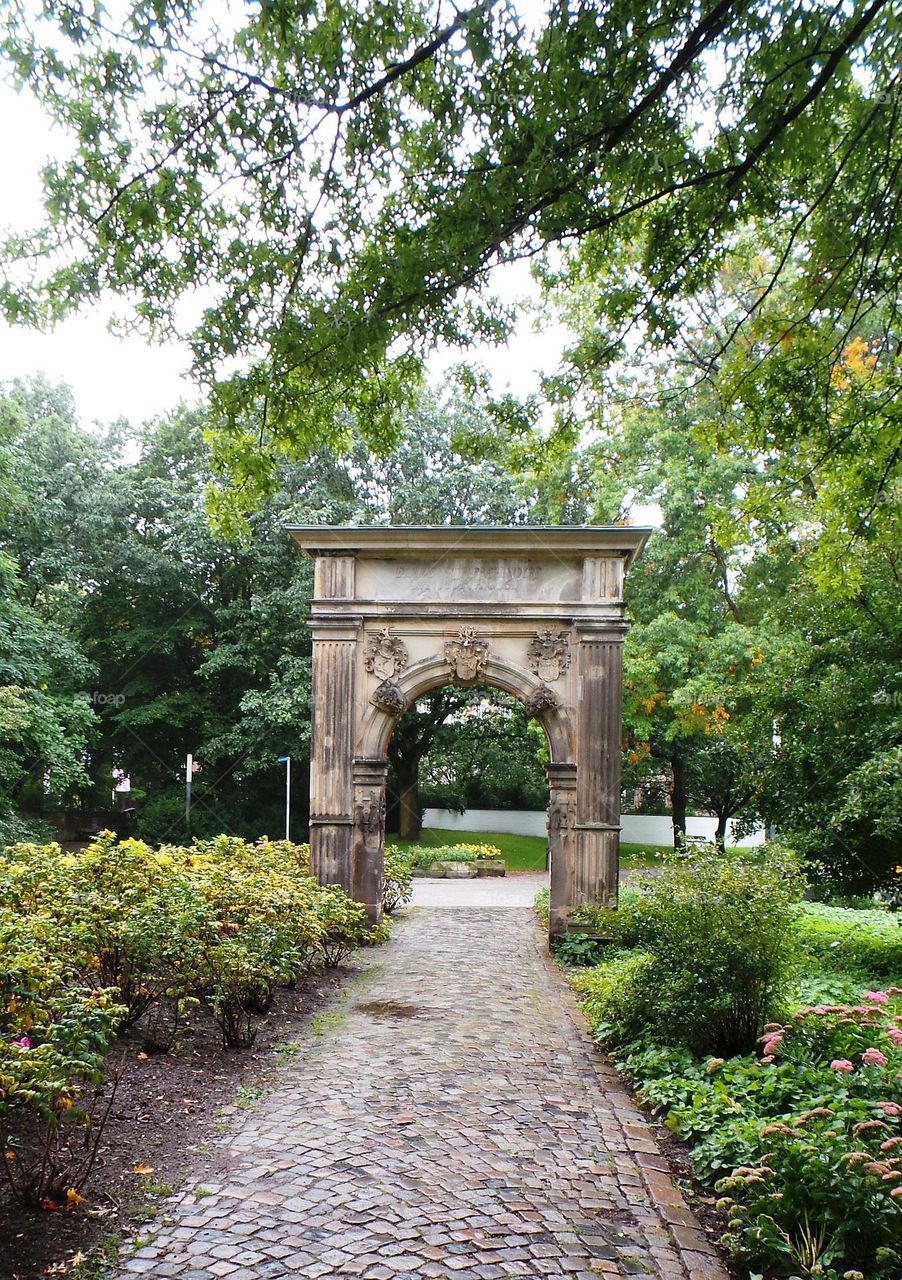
485	578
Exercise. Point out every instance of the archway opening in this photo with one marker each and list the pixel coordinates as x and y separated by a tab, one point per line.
467	756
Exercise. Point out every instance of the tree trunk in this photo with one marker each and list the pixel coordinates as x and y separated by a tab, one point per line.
720	831
678	800
410	818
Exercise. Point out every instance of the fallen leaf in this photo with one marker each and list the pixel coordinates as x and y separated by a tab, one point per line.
73	1197
142	1170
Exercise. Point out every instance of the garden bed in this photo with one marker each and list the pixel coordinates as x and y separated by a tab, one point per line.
767	1034
168	1110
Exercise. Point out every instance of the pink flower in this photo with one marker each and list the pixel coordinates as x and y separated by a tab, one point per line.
895	1034
771	1042
876	997
841	1064
889	1108
873	1058
24	1043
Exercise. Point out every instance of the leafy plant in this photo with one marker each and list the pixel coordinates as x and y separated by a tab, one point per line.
717	933
53	1038
577	949
397	883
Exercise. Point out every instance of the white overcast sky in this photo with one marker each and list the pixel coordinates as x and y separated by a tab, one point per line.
115	377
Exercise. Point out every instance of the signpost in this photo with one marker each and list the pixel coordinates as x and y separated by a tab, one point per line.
189	774
286	760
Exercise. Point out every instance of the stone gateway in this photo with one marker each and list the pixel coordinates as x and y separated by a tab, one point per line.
534	611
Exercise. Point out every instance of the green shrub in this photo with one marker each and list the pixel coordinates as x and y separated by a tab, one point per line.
344	922
719	932
53	1038
542	905
616	996
21	828
397	883
96	940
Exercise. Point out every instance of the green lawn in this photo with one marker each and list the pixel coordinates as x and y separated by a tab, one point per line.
527	853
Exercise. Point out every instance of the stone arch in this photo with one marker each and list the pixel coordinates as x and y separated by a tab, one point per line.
536	612
432	673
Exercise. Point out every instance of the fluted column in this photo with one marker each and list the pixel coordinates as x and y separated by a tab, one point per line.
599	659
335	639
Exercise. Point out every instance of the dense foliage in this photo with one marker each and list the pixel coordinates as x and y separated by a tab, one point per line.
343	177
711	945
799	1127
96	941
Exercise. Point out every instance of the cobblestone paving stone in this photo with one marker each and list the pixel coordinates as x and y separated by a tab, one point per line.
455	1121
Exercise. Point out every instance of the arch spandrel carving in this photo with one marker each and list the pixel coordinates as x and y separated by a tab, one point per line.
535	612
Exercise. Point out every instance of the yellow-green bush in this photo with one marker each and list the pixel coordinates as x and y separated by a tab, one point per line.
93	941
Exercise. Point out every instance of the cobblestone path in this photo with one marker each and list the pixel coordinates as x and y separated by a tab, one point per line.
455	1121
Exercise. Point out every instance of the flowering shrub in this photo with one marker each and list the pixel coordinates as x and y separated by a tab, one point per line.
802	1133
823	1197
422	857
807	1132
53	1038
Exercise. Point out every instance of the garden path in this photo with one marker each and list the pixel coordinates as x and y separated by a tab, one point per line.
453	1120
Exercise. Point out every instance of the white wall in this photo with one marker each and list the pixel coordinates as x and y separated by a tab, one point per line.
638	828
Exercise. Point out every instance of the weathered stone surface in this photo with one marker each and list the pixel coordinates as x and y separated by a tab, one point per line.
457	1122
401	611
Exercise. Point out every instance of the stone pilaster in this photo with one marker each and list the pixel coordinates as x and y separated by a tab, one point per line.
368	837
335	639
562	845
599	689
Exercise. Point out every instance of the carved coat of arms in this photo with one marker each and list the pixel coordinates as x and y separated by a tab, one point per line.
549	654
467	654
386	654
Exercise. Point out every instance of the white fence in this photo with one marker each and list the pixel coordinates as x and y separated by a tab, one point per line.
637	828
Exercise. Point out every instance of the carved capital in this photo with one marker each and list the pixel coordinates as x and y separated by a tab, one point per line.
369	814
388	697
560	817
541	699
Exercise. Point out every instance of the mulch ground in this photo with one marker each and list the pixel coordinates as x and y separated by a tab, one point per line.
166	1110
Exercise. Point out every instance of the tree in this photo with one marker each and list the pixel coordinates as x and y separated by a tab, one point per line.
488	755
345	177
46	717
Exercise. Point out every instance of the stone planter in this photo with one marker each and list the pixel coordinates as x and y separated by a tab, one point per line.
447	871
490	867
